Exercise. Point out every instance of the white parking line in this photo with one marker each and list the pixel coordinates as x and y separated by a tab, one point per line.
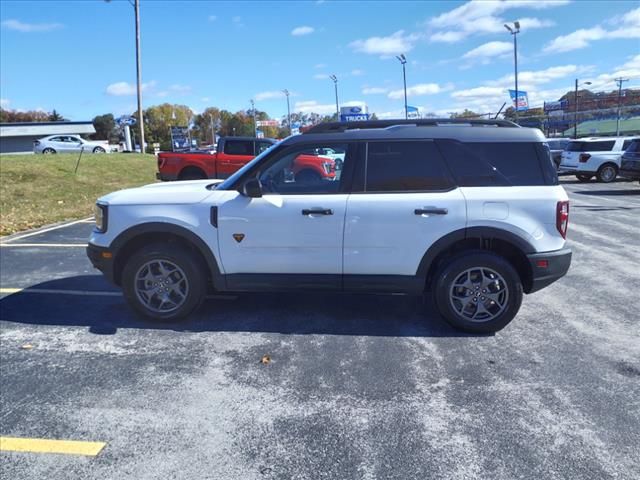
84	293
32	245
45	230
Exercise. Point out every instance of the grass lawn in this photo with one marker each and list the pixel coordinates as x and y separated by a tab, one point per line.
39	189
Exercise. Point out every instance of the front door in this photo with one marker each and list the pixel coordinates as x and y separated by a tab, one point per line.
290	237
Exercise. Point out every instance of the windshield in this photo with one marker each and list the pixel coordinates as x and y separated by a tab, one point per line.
226	185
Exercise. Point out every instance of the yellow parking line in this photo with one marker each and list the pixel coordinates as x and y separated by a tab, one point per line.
32	245
41	445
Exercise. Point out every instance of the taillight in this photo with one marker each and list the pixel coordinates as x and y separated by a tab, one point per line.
562	217
584	157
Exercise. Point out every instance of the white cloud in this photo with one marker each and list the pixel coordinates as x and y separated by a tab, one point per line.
479	93
212	18
19	26
630	69
420	89
309	106
490	49
356	72
237	21
320	65
4	102
303	30
121	89
268	95
205	99
386	46
628	27
321	76
537	77
374	90
180	89
481	16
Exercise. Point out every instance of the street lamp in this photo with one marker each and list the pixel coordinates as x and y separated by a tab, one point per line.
136	6
253	112
575	110
515	31
403	60
335	84
286	92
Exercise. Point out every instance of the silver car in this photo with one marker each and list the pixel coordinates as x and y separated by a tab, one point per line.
67	144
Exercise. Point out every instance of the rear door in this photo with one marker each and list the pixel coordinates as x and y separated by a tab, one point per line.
234	155
404	200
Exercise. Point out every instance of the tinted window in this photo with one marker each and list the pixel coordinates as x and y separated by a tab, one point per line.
301	170
262	146
602	146
238	147
634	147
405	167
626	144
498	164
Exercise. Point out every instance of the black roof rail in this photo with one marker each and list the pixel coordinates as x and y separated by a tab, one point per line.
335	127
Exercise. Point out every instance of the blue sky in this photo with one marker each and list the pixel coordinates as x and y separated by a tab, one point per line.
78	56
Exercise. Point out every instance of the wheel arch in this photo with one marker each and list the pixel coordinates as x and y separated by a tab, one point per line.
506	244
192	169
131	240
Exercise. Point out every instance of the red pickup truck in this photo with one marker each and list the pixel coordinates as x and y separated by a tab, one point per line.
233	153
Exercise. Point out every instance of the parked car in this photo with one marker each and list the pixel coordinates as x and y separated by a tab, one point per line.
67	144
599	156
630	162
231	154
557	146
419	206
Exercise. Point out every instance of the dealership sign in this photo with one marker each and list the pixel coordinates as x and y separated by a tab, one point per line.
361	117
180	138
555	106
354	113
268	123
125	120
522	102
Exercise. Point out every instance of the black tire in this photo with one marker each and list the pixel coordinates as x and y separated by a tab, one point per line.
99	150
192	174
49	151
308	176
455	268
584	177
607	173
189	264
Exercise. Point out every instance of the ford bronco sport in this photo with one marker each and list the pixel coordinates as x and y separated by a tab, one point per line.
469	211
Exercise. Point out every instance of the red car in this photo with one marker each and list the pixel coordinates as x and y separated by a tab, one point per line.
232	154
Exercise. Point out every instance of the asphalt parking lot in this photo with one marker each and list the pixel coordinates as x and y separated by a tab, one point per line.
358	387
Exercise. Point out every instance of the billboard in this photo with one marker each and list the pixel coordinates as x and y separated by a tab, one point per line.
180	139
268	123
523	100
356	113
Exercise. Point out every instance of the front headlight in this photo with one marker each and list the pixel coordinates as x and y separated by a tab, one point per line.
101	214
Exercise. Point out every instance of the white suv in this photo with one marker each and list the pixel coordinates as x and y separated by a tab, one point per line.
599	156
470	211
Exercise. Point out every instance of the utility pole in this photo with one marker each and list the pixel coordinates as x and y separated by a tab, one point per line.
619	81
213	132
286	92
253	112
403	60
514	32
139	76
335	84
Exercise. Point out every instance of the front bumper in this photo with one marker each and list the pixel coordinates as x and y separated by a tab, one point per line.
102	259
548	267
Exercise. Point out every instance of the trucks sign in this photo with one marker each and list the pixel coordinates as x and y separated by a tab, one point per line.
354	118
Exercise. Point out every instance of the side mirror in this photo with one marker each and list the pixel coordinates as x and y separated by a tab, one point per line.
252	188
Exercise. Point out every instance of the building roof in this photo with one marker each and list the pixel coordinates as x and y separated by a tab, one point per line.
28	129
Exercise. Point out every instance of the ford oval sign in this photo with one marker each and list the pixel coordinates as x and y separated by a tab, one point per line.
355	110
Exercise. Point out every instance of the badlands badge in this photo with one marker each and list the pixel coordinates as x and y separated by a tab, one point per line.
238	237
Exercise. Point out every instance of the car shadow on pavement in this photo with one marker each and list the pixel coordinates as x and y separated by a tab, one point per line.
598	193
285	313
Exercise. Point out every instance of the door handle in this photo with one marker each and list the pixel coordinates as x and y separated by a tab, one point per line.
431	211
317	211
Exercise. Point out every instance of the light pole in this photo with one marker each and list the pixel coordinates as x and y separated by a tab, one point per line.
335	84
253	112
619	81
286	92
136	6
575	109
515	31
403	60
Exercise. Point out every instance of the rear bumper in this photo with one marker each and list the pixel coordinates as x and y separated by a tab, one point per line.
100	259
548	267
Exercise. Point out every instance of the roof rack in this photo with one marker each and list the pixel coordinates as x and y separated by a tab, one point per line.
335	127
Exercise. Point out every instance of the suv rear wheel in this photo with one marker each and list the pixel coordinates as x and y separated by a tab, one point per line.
164	282
478	292
607	173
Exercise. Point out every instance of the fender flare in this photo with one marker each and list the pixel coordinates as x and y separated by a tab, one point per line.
479	233
161	227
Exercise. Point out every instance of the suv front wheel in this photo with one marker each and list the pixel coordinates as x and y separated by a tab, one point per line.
164	282
478	292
